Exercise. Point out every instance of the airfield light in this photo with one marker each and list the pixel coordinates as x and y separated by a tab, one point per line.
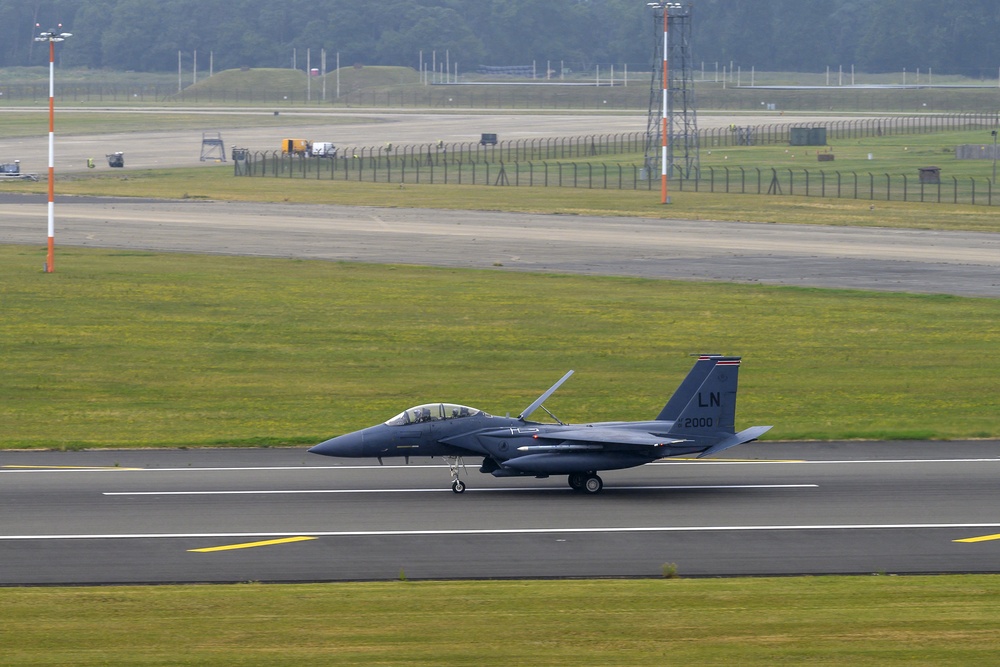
52	37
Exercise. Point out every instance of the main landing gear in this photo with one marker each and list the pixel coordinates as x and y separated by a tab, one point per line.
586	482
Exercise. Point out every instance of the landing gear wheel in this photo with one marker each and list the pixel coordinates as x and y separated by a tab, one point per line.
576	481
455	465
593	484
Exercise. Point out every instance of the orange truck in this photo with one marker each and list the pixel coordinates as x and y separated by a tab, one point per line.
296	147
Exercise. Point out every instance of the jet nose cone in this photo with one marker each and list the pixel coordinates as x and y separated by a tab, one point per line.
349	445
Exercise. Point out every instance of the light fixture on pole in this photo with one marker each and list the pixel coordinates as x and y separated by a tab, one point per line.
52	37
665	7
994	157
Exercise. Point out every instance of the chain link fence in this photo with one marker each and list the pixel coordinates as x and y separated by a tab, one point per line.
566	163
618	176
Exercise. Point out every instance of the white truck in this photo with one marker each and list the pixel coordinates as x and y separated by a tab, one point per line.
323	149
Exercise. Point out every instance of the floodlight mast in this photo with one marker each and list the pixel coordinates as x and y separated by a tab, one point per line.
52	37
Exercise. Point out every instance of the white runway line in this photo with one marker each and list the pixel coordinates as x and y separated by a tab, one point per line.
443	490
505	531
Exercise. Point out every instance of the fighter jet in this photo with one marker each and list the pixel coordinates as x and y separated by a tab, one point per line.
698	419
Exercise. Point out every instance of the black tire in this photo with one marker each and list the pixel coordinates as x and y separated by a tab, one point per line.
576	481
458	486
593	484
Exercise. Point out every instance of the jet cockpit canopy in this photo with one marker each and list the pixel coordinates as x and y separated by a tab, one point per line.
432	412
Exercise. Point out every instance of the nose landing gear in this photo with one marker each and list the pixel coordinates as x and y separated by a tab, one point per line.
455	464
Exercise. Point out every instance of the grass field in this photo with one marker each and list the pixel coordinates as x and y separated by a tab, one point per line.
875	620
400	87
36	123
894	154
217	182
137	349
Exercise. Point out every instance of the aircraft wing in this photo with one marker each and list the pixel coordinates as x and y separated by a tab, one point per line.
613	436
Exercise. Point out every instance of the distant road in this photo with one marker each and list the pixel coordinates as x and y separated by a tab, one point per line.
899	260
182	148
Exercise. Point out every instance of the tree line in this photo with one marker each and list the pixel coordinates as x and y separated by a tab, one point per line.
771	35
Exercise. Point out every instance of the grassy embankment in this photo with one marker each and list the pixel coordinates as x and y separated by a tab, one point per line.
400	87
819	620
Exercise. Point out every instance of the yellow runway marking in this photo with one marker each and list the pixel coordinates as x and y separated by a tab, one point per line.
248	545
69	467
981	538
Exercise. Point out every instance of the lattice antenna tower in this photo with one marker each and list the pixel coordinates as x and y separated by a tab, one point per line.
682	118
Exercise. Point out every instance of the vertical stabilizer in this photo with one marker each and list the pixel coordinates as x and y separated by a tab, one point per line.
712	408
697	375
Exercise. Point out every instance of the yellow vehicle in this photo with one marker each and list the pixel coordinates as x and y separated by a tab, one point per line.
295	146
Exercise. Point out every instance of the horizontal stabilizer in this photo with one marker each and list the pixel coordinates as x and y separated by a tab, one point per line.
616	436
748	435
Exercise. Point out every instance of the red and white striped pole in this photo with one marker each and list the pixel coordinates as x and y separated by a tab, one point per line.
664	196
52	37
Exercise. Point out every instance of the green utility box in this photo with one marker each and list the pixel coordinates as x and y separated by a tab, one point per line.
807	136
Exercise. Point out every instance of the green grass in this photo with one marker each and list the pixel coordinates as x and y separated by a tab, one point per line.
816	620
138	349
218	182
893	154
399	87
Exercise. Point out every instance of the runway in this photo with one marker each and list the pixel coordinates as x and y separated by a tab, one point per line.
927	261
286	515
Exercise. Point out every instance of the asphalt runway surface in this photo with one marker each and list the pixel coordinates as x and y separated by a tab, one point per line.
286	515
160	149
960	263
